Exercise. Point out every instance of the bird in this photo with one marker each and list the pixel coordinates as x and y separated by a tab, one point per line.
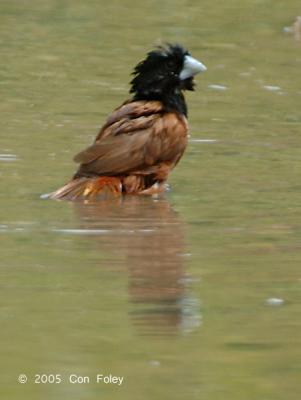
143	139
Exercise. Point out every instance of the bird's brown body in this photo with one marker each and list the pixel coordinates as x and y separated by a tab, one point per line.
137	147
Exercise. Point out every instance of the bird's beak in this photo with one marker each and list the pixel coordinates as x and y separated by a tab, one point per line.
191	67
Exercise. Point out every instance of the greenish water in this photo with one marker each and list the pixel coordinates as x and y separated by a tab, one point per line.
174	294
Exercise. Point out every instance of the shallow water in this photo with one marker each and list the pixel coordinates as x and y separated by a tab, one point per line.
195	294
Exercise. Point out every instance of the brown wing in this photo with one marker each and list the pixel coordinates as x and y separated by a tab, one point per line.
127	112
136	137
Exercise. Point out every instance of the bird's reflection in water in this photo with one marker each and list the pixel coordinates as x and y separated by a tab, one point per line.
149	234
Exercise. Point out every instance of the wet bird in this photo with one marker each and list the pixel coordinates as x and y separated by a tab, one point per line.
144	138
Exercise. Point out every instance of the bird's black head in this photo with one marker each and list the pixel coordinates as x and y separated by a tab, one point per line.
164	74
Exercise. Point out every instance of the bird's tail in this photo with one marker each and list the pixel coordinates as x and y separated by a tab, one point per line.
88	189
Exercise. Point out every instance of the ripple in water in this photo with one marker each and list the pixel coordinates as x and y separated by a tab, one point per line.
8	157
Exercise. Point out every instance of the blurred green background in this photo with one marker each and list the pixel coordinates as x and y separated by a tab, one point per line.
175	294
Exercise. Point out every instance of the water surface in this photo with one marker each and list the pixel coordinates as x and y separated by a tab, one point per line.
176	294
